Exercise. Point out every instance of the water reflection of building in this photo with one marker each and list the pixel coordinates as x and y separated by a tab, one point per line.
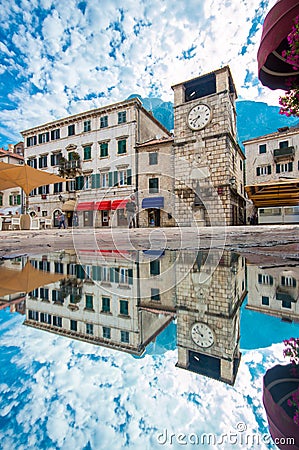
208	314
274	291
99	302
15	301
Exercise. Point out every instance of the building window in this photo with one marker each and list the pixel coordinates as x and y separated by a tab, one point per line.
284	167
45	318
283	144
106	333
44	137
241	164
32	163
88	301
57	188
155	267
153	185
106	304
1	199
73	325
55	134
106	274
124	307
89	328
262	148
122	117
14	199
122	177
44	190
124	336
31	141
263	170
153	158
44	294
43	161
288	281
265	301
104	122
57	321
87	152
155	294
104	149
32	315
87	125
286	304
71	130
265	279
58	267
122	146
105	180
123	276
55	159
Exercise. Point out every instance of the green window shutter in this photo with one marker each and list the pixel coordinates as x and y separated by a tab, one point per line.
87	152
121	146
260	278
283	281
124	307
110	179
10	200
79	183
115	178
129	177
130	275
290	168
96	273
18	199
258	171
93	181
97	180
117	275
80	272
52	160
112	278
277	168
271	280
294	282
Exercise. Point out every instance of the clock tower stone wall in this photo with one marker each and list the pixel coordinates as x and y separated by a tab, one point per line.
208	161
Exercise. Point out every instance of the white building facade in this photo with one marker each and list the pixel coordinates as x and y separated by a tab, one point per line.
96	151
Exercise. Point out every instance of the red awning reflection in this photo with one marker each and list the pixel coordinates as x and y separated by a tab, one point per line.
85	206
104	205
272	68
119	204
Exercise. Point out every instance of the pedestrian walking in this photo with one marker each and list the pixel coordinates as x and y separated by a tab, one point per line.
131	211
61	220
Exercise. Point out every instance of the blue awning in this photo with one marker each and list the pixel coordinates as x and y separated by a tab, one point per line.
153	202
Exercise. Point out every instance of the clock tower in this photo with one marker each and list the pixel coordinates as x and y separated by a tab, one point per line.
208	314
209	164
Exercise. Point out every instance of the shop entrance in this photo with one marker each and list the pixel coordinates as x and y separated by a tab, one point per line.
87	218
154	217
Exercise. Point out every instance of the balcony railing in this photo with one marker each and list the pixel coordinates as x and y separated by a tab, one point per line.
287	152
69	165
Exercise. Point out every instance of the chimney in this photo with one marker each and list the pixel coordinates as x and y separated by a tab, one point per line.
10	148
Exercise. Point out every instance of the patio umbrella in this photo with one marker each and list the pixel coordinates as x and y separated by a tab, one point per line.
25	177
25	280
273	70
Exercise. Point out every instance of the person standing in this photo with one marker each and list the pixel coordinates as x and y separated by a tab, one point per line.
131	211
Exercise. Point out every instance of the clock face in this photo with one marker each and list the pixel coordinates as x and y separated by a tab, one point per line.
202	335
199	117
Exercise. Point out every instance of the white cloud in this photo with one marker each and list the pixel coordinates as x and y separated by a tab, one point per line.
67	393
61	50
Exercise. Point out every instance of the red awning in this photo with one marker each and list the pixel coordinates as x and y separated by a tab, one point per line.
104	205
85	206
272	68
119	204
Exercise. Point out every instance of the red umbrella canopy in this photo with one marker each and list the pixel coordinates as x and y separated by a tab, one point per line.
273	69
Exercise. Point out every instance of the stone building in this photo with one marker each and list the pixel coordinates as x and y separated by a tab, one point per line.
208	313
209	164
96	301
274	291
96	150
272	175
155	183
11	200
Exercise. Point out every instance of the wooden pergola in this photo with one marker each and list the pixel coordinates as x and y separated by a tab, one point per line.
276	193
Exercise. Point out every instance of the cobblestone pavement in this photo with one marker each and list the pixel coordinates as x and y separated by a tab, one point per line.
281	242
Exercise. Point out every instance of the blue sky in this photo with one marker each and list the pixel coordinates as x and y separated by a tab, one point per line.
60	57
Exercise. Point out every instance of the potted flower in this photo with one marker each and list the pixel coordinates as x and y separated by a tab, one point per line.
281	397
